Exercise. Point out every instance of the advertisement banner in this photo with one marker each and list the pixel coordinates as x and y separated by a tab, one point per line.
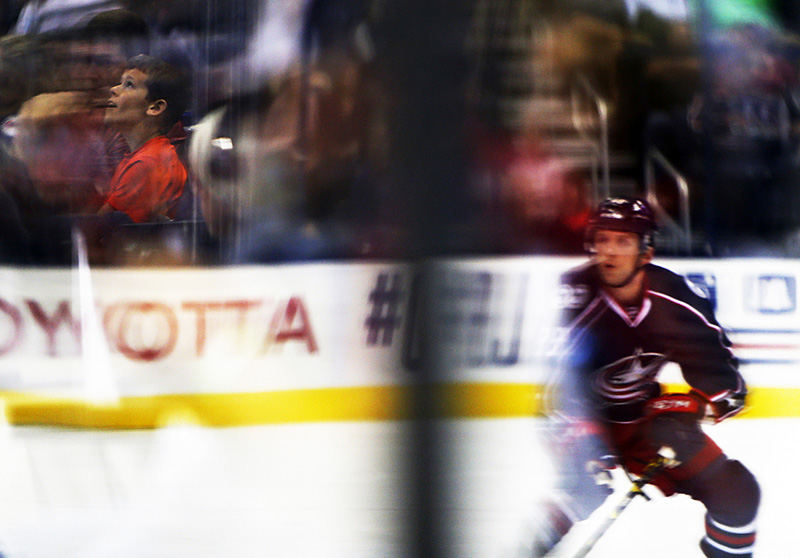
330	341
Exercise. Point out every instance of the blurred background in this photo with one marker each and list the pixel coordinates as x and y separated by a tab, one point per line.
334	130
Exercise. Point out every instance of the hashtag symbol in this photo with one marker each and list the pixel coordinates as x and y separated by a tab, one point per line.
383	318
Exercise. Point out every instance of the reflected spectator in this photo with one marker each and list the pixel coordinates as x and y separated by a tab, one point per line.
534	201
58	133
749	119
587	45
546	206
60	142
271	189
143	107
15	187
294	165
115	36
41	16
252	185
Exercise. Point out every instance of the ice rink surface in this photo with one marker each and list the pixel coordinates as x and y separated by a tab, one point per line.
185	491
333	490
500	492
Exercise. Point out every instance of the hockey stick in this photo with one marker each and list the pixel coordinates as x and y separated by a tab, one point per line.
665	460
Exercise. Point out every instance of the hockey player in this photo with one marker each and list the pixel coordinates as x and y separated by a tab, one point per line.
624	319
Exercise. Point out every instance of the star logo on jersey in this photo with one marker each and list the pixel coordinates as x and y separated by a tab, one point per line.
627	378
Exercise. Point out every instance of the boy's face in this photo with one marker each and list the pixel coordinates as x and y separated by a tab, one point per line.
128	103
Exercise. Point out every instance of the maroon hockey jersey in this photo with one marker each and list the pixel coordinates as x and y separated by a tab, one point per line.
613	355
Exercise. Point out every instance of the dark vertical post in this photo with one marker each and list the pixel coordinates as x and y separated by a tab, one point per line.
424	42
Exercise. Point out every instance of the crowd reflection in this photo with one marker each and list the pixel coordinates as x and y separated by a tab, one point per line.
291	136
284	149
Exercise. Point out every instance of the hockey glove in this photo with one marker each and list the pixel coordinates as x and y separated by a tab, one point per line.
601	470
674	422
687	405
724	407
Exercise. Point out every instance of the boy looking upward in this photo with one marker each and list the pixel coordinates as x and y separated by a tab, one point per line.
148	101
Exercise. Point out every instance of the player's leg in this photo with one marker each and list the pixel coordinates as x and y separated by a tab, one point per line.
729	490
731	495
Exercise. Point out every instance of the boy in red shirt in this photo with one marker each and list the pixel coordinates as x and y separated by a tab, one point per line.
143	107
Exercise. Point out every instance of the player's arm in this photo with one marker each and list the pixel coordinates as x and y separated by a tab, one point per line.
697	405
724	404
714	377
702	349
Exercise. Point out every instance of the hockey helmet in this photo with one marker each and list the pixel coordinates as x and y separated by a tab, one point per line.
623	214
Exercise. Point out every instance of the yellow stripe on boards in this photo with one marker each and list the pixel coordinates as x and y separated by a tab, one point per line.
762	402
489	400
370	403
222	409
771	402
364	403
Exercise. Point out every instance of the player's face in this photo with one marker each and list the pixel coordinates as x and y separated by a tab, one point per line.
128	102
618	256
